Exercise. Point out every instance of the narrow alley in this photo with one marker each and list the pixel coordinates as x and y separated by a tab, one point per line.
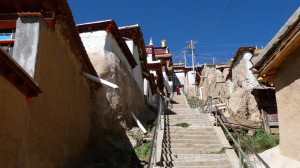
92	84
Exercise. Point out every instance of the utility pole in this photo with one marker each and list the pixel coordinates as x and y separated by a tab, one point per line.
184	55
192	47
214	63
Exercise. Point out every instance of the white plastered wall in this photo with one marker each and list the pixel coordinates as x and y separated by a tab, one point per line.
103	44
137	70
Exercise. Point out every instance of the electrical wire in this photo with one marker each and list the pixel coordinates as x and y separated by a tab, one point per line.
228	6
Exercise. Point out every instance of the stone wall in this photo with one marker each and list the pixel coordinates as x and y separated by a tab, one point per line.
287	86
112	117
214	84
110	64
242	103
234	89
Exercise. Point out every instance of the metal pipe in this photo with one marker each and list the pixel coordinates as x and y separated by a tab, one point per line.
139	123
216	116
210	104
99	80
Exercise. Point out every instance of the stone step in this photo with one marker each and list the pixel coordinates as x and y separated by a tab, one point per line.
217	162
181	108
188	130
186	121
183	113
178	124
195	125
193	141
186	157
219	166
208	129
184	109
196	116
196	146
190	150
173	123
184	117
192	145
198	137
191	125
179	100
190	133
171	128
180	104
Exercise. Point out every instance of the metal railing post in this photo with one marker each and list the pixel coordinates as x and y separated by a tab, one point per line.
159	108
216	116
210	105
155	159
240	154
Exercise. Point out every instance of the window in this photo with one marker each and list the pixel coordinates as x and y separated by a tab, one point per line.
7	41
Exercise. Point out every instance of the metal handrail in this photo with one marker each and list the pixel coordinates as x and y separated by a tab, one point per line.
152	158
240	138
207	104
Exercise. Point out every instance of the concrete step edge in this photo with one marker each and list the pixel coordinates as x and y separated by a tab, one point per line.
219	166
187	157
194	141
196	163
190	151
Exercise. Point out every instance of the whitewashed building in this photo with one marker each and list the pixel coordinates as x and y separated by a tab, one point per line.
104	39
133	37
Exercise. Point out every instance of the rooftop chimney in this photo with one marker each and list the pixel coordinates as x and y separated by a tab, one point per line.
164	43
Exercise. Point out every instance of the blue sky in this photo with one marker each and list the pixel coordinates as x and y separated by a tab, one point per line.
220	27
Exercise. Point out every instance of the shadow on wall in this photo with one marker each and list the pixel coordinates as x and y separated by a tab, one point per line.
287	73
108	144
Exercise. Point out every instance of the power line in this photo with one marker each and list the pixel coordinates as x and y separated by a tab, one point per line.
235	44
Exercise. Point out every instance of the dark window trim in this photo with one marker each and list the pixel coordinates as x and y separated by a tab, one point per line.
16	75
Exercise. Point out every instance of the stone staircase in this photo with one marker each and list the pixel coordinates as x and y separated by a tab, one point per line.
195	146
